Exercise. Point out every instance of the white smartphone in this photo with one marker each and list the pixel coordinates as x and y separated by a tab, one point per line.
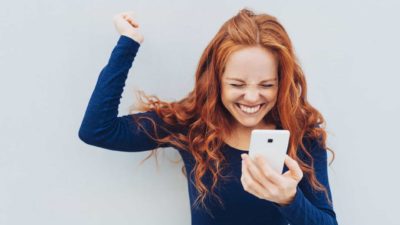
272	145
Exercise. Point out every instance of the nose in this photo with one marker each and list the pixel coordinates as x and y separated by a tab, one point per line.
251	95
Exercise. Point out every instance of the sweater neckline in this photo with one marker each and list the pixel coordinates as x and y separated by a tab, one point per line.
278	127
236	149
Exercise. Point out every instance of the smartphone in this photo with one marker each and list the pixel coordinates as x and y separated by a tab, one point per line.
272	145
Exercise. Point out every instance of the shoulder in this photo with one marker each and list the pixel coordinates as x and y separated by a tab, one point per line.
151	114
314	148
148	119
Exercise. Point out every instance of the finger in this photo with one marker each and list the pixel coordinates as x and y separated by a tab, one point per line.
131	21
247	176
256	192
134	24
294	168
256	173
248	183
267	170
129	16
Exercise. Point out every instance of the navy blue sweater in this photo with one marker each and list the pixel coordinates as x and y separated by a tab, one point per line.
102	127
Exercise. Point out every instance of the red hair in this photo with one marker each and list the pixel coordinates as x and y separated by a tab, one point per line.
202	114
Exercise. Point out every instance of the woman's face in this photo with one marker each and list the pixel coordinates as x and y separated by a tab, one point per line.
250	85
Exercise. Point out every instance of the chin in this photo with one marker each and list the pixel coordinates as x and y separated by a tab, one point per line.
249	124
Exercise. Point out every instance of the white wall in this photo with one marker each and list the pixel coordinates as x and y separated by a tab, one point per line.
52	52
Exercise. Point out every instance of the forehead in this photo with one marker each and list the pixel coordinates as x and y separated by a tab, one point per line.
253	63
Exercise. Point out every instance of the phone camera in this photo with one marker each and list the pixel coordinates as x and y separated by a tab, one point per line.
270	140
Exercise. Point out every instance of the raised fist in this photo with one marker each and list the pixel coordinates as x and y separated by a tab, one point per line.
127	26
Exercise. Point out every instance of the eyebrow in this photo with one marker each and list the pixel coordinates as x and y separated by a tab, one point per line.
237	79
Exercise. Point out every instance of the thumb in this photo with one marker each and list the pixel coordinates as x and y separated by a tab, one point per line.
294	171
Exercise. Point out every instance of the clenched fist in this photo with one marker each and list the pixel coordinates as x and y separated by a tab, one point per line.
127	26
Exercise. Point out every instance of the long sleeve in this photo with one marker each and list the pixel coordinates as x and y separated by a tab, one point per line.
311	207
101	125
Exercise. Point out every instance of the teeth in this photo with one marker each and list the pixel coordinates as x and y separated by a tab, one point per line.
249	109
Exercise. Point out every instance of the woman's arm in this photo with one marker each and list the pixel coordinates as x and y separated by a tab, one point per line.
100	126
311	207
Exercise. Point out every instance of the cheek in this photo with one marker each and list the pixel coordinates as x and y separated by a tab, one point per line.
274	97
225	98
271	96
229	96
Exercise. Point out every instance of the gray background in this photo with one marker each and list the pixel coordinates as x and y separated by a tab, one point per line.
51	53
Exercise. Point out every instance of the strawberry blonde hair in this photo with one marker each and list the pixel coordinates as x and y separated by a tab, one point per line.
204	119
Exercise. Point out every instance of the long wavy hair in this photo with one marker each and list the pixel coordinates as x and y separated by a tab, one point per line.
205	120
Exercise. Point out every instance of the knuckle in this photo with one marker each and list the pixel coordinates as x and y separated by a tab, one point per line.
245	186
245	181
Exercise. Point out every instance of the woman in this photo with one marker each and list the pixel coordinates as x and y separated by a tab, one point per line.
247	78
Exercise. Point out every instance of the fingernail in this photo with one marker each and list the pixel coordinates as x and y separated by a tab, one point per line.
242	155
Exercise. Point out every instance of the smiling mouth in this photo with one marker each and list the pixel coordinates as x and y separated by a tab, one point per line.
249	110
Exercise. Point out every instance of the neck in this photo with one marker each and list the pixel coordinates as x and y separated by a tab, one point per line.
240	136
246	131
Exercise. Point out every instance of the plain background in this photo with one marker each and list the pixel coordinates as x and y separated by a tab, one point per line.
51	53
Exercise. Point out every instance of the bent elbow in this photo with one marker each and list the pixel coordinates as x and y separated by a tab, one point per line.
86	136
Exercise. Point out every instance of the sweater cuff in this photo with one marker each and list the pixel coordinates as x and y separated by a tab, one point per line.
127	46
127	41
294	205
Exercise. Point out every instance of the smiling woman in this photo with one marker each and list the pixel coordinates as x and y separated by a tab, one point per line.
247	78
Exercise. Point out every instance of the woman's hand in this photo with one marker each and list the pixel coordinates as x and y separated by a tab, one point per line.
127	26
259	179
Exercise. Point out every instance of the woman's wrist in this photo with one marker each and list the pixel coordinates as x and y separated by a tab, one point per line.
289	200
134	37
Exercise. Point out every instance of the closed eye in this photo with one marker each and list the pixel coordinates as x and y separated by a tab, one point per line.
267	85
237	85
242	85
